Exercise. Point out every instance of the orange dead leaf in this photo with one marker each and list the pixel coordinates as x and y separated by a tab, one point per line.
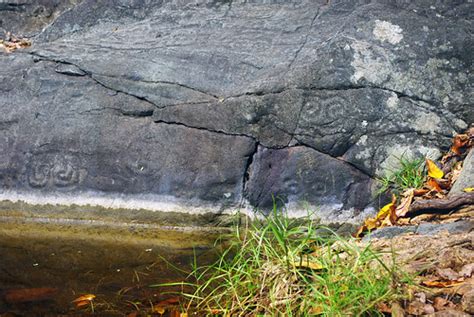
459	142
87	297
442	283
169	301
159	309
83	300
82	303
21	295
433	184
433	170
215	311
420	192
383	308
173	300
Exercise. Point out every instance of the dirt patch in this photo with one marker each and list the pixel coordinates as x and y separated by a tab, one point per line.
443	264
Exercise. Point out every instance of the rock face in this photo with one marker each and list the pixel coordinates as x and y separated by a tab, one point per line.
213	105
466	178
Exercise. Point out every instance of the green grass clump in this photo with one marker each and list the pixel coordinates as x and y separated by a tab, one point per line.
410	174
283	267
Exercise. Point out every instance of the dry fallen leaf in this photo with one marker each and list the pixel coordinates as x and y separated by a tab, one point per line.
420	192
384	308
421	297
382	219
467	270
441	284
433	184
82	303
307	263
459	142
22	295
405	203
87	297
428	309
468	189
159	309
397	310
433	170
440	303
415	308
12	43
215	311
447	274
174	313
316	310
385	210
456	171
83	300
169	301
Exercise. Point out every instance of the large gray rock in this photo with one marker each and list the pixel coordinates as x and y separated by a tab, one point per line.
307	181
466	178
188	102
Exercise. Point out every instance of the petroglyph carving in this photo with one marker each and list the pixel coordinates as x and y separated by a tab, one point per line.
54	170
64	173
39	174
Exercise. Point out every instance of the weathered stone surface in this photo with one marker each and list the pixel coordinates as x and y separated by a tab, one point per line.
66	133
466	178
426	229
308	180
172	98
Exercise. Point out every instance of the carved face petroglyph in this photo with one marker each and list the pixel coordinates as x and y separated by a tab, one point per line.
54	170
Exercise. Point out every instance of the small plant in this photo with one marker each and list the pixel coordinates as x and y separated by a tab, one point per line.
283	267
410	174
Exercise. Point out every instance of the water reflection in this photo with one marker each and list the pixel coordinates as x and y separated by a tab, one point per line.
45	267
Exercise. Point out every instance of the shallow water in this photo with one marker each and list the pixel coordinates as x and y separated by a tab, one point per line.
44	266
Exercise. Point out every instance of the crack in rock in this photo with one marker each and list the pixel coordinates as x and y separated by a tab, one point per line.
90	75
295	57
206	129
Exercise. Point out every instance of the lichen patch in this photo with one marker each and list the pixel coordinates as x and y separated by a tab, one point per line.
392	101
427	122
386	31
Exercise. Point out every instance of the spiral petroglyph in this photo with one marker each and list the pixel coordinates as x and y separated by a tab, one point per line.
54	171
